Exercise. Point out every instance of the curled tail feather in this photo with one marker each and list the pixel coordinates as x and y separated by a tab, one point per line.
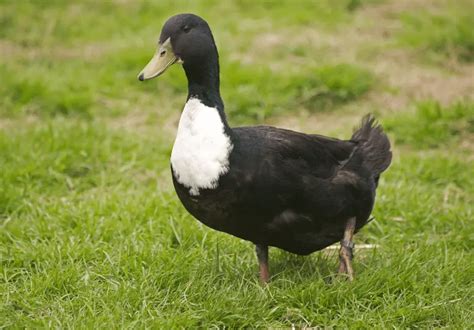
373	149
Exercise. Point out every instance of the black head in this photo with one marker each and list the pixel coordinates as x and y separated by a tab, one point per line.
190	36
186	39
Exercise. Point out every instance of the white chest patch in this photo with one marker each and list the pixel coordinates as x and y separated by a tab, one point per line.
201	150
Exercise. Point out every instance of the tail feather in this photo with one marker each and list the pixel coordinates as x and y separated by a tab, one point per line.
373	146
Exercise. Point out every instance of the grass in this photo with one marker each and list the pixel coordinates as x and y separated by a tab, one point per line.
91	231
432	124
317	89
442	35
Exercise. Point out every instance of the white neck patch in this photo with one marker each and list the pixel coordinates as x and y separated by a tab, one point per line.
201	150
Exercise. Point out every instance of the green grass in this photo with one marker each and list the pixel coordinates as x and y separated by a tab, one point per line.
444	34
88	241
250	96
432	124
67	90
93	235
55	78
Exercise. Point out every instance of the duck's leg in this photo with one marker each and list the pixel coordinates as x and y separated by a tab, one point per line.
262	256
345	253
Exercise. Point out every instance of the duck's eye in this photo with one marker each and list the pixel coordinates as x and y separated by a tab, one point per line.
186	28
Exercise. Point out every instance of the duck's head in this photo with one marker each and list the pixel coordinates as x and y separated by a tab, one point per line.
186	39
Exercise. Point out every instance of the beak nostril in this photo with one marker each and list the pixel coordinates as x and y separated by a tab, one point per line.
162	53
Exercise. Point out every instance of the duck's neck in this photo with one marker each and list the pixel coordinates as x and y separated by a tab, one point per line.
203	84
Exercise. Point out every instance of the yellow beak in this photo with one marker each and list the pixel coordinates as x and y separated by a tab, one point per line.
162	60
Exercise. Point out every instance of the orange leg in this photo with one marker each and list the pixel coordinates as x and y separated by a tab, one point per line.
345	253
262	256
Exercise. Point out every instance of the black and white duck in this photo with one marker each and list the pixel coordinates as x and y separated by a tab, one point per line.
273	187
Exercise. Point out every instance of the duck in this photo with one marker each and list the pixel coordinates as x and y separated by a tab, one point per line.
270	186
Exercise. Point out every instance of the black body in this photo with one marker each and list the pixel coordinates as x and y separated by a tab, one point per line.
290	190
286	189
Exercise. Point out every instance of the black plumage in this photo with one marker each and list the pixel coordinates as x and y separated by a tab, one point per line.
298	192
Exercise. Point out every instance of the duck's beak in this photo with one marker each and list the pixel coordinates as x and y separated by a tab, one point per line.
163	58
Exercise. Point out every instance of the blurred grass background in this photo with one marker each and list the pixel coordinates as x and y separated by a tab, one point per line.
91	233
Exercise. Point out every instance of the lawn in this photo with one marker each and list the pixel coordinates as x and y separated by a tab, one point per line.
92	234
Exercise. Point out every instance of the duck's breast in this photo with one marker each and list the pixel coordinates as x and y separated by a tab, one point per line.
201	150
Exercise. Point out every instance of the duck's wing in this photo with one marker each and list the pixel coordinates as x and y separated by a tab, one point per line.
281	150
291	178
